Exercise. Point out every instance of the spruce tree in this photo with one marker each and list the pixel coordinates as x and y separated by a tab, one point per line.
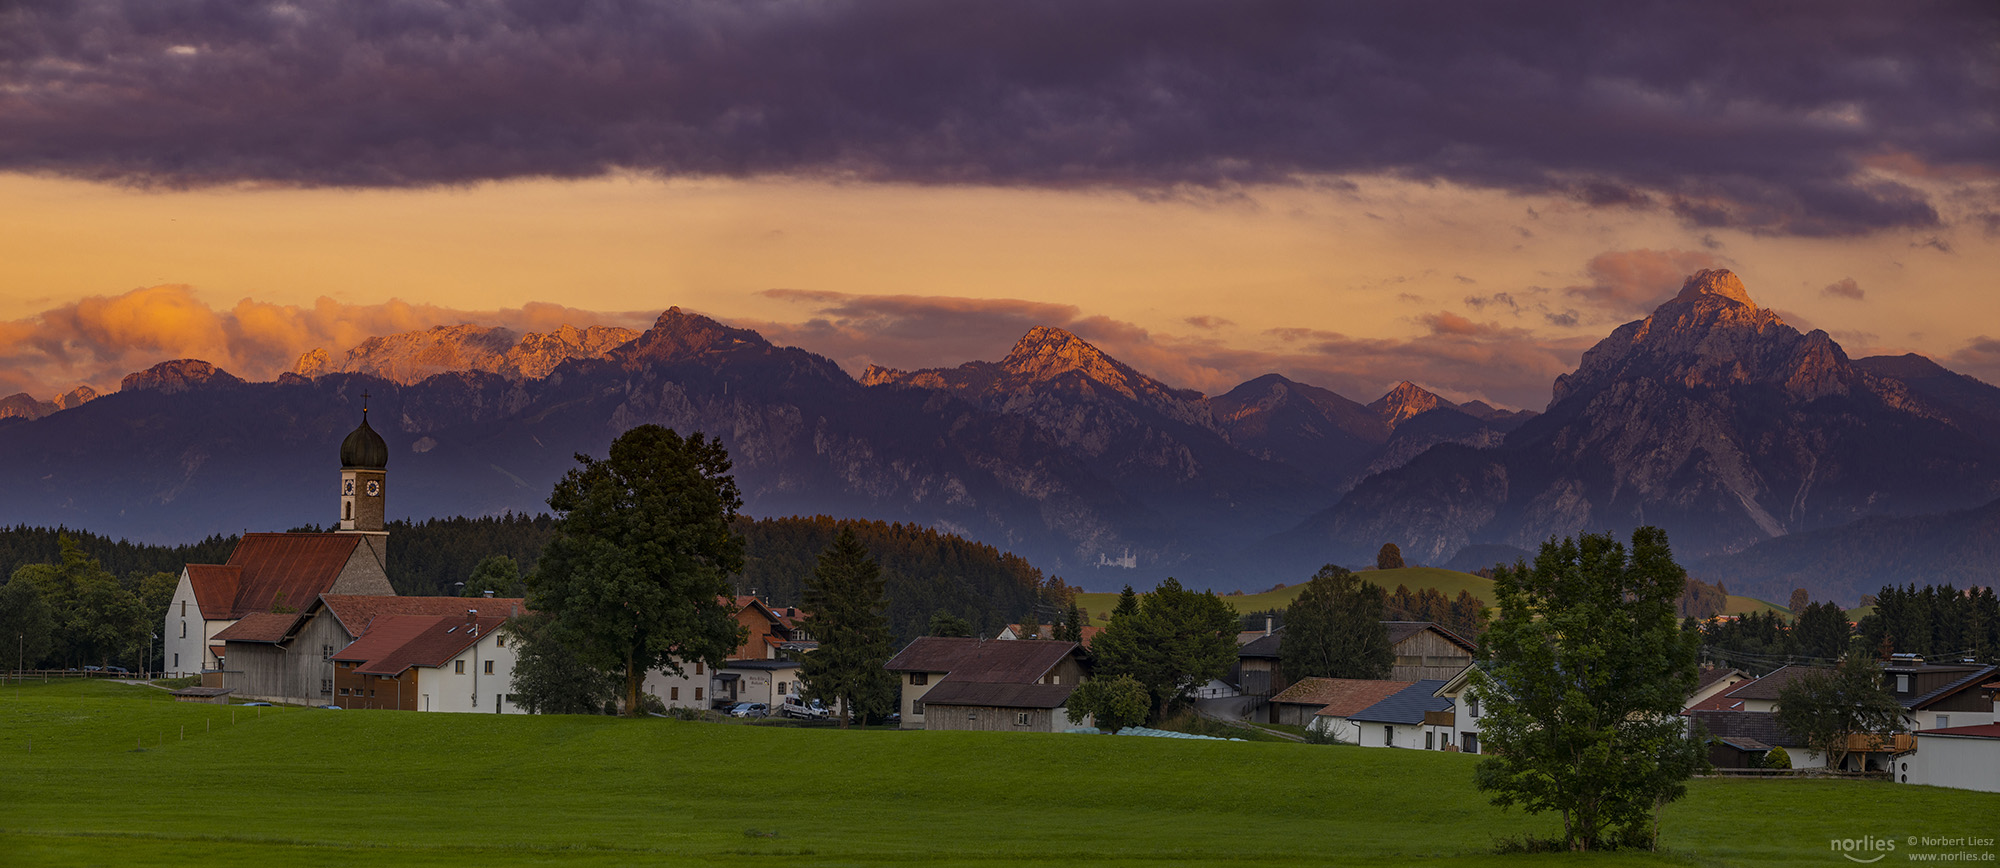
843	602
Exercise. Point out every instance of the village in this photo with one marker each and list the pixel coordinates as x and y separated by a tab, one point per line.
310	619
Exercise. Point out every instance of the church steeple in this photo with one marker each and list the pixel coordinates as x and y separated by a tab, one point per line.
364	483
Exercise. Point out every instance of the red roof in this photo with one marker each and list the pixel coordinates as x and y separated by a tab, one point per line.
215	589
260	627
984	661
398	642
268	570
1340	697
1984	730
356	611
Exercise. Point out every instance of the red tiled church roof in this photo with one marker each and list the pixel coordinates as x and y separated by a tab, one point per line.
215	589
268	570
260	627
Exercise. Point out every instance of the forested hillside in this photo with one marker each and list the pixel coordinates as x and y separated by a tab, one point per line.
925	571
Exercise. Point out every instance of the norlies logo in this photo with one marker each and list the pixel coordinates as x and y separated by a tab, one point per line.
1848	847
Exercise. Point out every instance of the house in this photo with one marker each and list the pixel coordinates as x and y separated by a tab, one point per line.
952	683
1712	682
1741	739
459	663
1259	671
1426	651
288	657
283	573
766	681
1303	702
773	639
1414	717
1756	695
1466	708
1961	757
1941	695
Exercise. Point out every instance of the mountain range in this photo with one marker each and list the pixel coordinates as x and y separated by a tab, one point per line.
1711	417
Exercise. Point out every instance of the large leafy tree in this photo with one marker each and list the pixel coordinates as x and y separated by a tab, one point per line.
95	618
549	677
844	605
27	627
1171	640
1334	629
1585	673
1113	703
497	573
1823	708
636	575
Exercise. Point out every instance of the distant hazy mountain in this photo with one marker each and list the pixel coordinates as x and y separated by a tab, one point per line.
409	357
1711	418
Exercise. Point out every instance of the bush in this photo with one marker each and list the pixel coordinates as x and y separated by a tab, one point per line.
1777	759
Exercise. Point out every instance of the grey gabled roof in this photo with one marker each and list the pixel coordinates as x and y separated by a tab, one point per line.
1407	705
1977	676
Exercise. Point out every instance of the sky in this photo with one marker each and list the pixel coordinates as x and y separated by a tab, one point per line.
1459	193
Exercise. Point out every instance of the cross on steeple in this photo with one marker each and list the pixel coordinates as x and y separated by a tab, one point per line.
364	404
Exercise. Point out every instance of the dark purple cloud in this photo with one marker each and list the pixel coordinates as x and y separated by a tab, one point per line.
1724	113
1845	287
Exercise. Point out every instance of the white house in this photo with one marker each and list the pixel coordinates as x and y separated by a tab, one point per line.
1961	757
459	663
1414	717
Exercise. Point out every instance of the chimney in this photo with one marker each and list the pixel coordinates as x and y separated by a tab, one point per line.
1267	625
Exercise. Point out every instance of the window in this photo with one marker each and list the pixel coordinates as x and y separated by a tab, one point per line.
489	667
781	688
371	691
920	678
697	667
184	629
326	652
177	661
1471	706
458	667
184	613
916	708
1388	736
347	511
343	691
1430	742
1469	742
1902	683
1944	720
674	694
499	641
697	694
1020	718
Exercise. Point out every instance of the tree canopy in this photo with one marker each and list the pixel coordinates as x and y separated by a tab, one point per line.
1585	673
1389	558
1334	629
1824	707
637	573
844	605
1171	640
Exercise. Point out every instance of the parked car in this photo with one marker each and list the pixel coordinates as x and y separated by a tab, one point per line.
91	669
256	705
117	670
328	707
803	710
750	709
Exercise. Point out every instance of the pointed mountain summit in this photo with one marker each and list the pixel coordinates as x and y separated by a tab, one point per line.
1711	418
1406	400
1046	361
178	375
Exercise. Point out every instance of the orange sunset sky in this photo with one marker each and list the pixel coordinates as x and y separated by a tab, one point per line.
1208	198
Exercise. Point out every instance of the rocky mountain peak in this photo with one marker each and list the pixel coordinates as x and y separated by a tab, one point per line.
1714	283
1046	352
1407	399
409	357
178	375
678	336
76	397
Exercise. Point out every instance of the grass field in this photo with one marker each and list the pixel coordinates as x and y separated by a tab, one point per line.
359	788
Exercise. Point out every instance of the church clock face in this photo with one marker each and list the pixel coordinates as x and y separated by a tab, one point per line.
347	486
374	488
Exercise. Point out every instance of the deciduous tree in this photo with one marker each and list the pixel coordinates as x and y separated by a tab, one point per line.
549	676
844	613
1116	702
497	573
1823	708
635	576
1586	669
947	624
1334	629
1172	640
1389	558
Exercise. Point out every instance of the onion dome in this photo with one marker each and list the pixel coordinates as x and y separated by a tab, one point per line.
364	448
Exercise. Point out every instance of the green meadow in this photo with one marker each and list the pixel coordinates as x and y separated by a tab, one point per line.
121	775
